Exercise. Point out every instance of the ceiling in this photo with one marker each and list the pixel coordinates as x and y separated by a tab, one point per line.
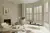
22	1
29	1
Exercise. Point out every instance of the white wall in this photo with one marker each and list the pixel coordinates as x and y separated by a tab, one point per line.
47	25
15	11
1	9
49	12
